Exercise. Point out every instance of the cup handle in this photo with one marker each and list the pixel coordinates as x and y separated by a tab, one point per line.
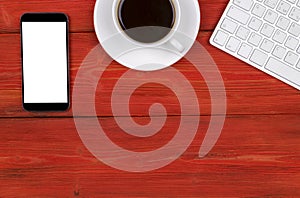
177	45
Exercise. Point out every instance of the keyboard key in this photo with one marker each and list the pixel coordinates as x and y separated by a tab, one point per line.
271	16
242	33
233	44
283	7
271	3
258	57
283	23
229	26
220	38
254	39
279	36
267	30
291	43
295	29
291	58
298	64
255	24
258	10
284	71
295	14
298	50
279	52
245	4
245	50
238	15
292	1
267	45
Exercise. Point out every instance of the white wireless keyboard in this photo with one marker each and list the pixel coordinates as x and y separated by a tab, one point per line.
264	34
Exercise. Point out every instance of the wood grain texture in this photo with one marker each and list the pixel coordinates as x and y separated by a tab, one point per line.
81	13
256	156
249	91
42	155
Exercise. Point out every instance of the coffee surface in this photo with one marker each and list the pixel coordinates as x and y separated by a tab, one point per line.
146	21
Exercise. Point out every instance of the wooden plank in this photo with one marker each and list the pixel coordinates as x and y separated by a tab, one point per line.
81	13
257	156
249	91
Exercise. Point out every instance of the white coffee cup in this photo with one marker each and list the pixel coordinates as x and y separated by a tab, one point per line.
168	39
146	56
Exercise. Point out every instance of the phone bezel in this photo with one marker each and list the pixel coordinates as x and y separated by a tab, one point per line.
46	17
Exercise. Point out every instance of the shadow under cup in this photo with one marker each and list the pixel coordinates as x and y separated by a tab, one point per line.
146	21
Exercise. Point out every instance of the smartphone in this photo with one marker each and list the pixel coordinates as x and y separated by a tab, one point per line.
45	62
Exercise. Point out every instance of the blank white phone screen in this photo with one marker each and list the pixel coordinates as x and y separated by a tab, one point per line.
45	70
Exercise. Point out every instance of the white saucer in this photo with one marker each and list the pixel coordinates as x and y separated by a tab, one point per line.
145	58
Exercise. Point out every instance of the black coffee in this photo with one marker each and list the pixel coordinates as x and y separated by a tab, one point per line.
146	21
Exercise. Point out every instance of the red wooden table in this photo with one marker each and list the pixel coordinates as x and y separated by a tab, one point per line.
42	155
